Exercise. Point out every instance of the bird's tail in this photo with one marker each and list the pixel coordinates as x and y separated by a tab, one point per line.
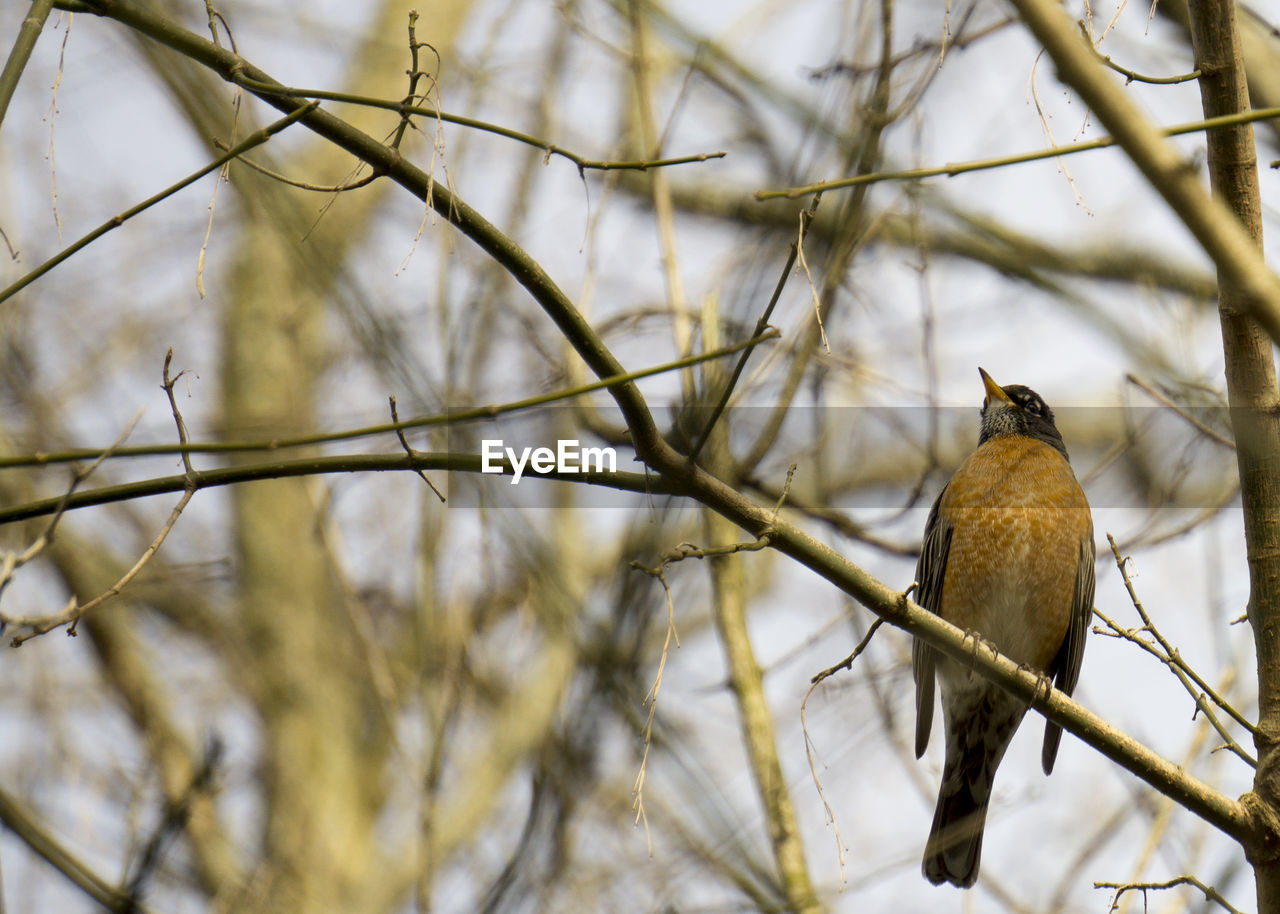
979	729
953	852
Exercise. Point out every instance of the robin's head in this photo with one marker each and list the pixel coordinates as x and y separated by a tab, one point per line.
1017	410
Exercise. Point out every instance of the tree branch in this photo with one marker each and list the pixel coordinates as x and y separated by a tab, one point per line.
1170	174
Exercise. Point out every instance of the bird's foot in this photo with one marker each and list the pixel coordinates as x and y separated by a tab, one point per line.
1044	682
972	641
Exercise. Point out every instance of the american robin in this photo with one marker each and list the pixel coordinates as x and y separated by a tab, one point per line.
1008	555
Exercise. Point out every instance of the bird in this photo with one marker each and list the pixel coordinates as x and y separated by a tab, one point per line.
1008	555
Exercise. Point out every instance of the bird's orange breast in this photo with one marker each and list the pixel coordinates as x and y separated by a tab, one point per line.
1018	516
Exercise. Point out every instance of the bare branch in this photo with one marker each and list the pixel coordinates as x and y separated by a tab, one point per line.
73	612
257	138
1210	893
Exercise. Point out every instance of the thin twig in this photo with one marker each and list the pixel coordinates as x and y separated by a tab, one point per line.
651	699
550	149
809	749
71	614
449	418
52	118
920	48
1131	76
762	325
415	74
690	551
786	490
1177	667
11	562
1165	401
13	252
1170	649
955	168
846	663
679	554
813	289
224	174
215	18
1048	134
303	185
167	387
1210	893
257	138
1200	691
404	442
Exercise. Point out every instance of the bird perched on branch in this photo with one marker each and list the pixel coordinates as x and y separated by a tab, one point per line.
1008	555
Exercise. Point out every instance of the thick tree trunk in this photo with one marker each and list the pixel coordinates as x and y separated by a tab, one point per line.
1255	406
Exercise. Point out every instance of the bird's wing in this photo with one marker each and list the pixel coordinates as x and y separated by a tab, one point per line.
929	574
1066	666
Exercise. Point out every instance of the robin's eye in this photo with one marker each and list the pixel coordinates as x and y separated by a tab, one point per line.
1033	407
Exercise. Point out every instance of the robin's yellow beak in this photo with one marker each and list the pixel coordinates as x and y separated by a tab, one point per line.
994	390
